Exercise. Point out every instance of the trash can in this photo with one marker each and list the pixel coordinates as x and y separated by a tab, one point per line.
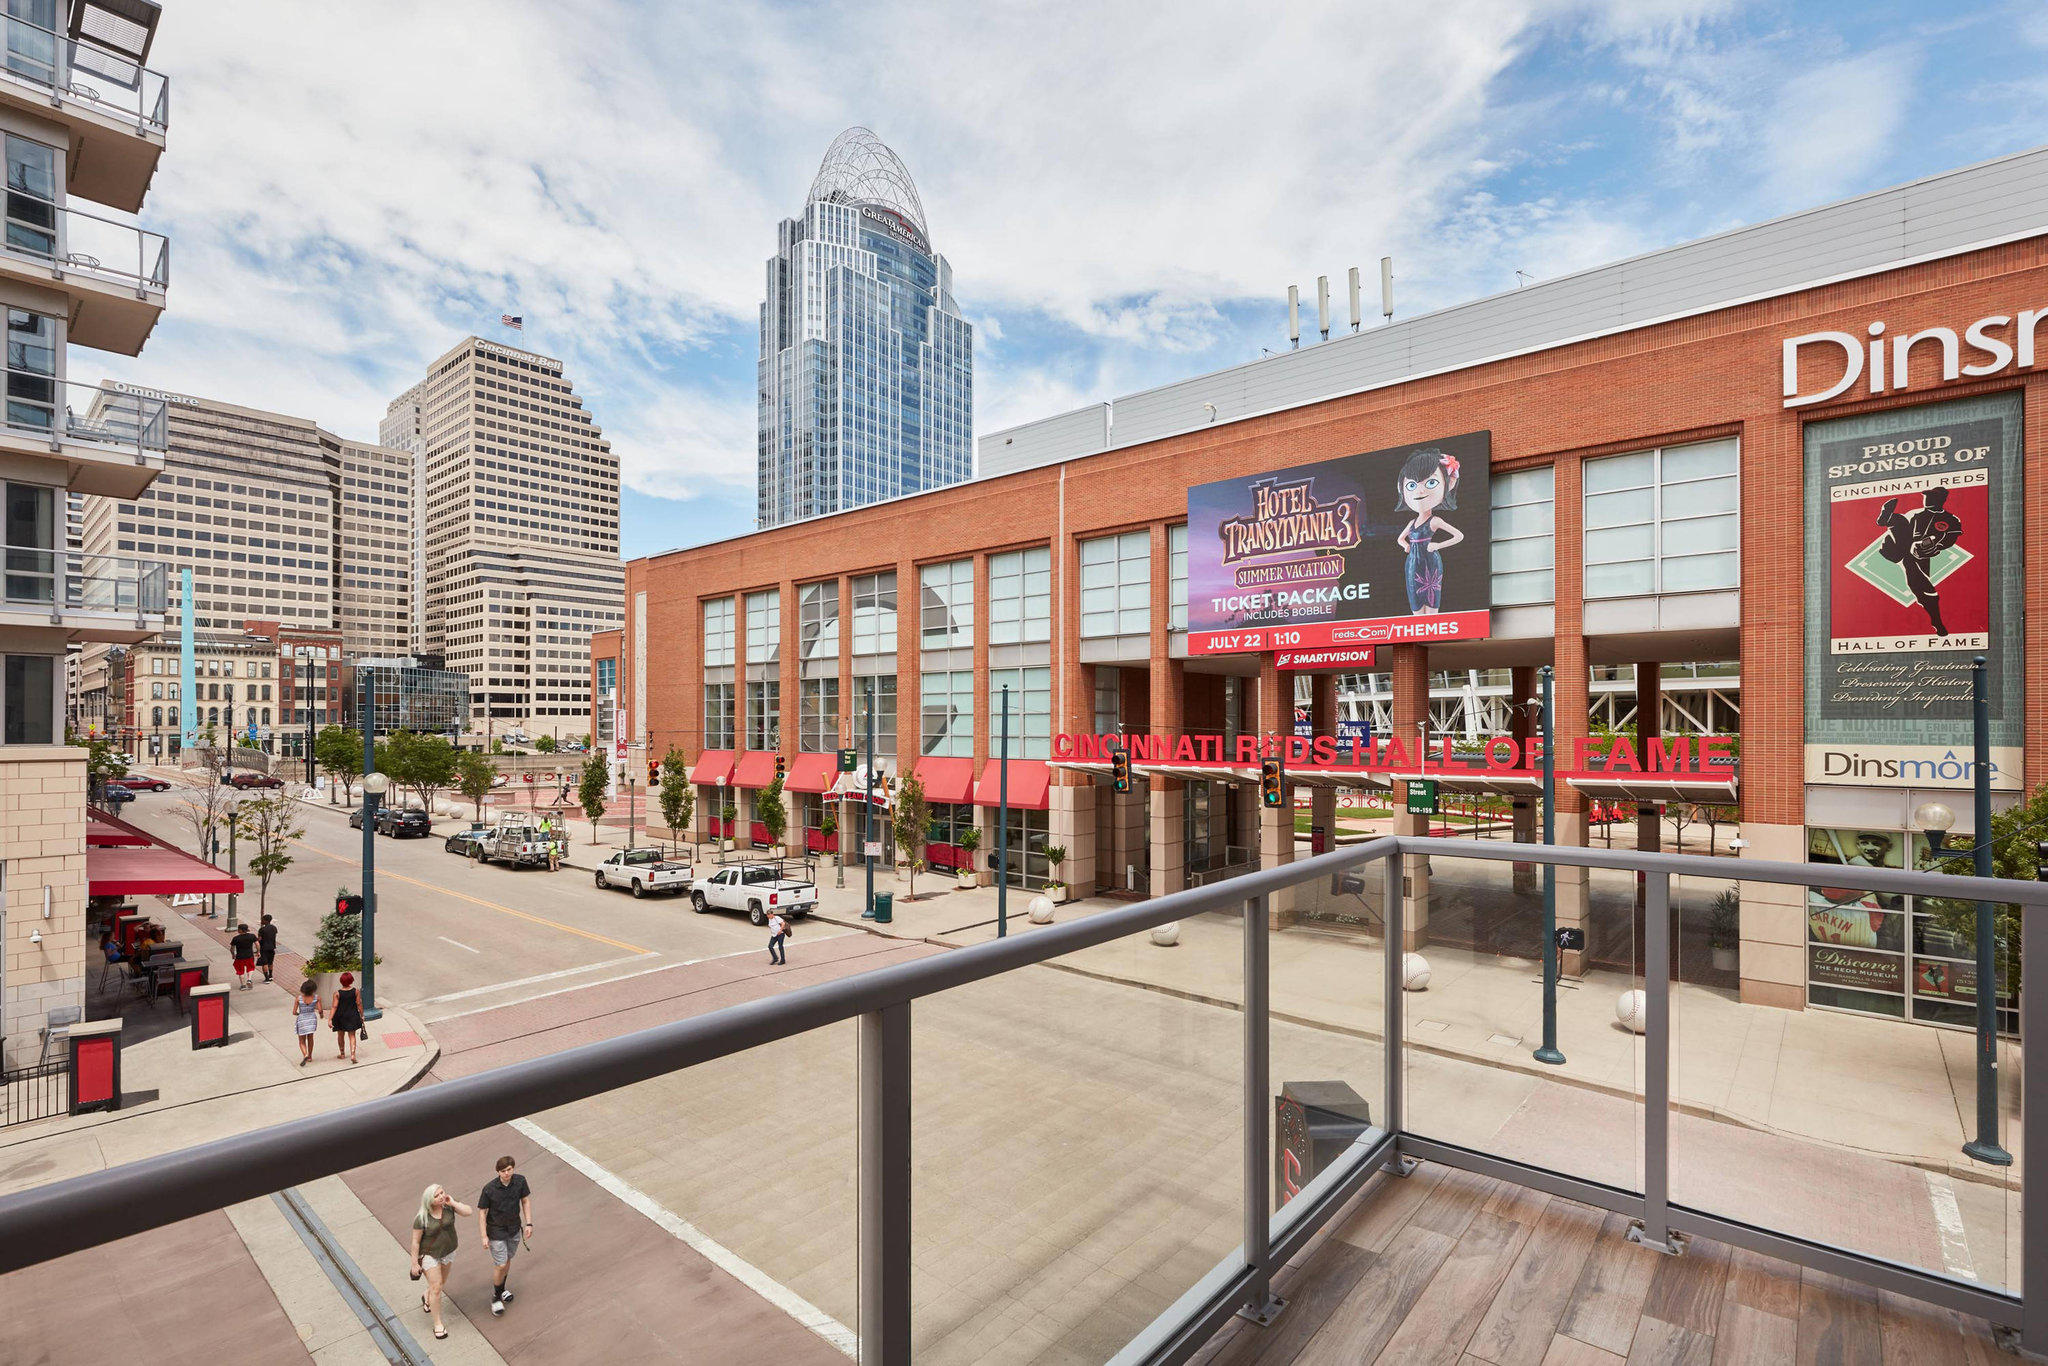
95	1066
885	907
210	1016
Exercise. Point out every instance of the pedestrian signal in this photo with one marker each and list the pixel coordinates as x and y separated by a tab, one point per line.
1269	782
348	905
1120	769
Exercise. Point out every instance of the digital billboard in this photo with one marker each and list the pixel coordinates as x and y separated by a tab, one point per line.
1372	549
1912	558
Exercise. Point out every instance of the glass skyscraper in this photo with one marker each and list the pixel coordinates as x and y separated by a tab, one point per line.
867	367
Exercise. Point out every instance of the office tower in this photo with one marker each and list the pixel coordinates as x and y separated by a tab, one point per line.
401	429
373	568
520	506
866	381
85	119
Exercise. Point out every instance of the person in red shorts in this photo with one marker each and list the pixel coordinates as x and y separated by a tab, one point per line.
243	947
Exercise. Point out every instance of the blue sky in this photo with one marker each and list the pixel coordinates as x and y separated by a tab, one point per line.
1125	192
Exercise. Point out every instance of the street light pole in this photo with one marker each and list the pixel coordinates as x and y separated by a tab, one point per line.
1003	825
867	808
1549	1051
374	784
1985	1146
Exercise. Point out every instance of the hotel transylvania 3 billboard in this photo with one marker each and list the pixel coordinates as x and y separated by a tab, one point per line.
1913	570
1371	549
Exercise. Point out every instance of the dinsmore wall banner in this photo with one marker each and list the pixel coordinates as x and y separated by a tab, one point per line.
1392	545
1912	570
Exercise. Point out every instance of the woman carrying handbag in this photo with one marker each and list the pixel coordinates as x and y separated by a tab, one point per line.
346	1018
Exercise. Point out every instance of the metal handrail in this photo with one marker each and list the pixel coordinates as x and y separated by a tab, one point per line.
87	250
67	581
87	1211
71	57
87	414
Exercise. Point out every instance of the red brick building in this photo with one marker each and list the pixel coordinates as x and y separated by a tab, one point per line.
1651	506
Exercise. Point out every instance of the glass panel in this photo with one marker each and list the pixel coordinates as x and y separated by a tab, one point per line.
1695	535
1843	1122
1618	472
1709	495
1530	586
1619	543
1619	509
28	696
1530	554
1618	580
1474	1012
1077	1147
1531	519
1702	461
1692	572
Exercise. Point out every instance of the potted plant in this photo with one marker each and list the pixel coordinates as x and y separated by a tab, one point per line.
1724	929
728	814
1055	890
970	840
828	829
338	949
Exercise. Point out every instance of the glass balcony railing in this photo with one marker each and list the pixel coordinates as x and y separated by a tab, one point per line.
965	1157
87	244
63	581
82	70
62	411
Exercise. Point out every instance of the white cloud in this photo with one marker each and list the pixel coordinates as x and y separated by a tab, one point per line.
1833	123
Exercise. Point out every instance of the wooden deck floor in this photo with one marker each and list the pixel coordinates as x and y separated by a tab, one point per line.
1452	1268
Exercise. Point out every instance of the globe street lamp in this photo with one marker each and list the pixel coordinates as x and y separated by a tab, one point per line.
1937	820
374	787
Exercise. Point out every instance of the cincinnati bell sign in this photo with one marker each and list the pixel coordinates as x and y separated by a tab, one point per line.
1824	365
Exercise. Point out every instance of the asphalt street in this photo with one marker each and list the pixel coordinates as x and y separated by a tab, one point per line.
456	936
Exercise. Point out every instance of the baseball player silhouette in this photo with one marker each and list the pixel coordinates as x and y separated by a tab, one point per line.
1913	539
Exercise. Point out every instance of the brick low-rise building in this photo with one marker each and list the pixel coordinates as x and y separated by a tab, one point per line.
1654	498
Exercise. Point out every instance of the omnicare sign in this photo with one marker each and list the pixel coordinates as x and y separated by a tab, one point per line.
1824	365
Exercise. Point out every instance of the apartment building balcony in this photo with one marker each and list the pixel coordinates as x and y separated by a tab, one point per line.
111	442
112	598
114	275
91	79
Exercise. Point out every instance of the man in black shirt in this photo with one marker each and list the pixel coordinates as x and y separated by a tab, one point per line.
504	1216
243	949
266	947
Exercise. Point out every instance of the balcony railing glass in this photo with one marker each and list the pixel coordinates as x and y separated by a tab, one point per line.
66	582
86	244
1044	1161
82	70
85	414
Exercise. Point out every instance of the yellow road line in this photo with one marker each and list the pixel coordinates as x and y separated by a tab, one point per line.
479	901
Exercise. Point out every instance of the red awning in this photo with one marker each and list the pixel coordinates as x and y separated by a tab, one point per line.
152	870
946	780
756	769
712	765
812	773
105	830
1030	784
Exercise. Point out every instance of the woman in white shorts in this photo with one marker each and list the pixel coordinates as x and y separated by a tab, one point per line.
433	1246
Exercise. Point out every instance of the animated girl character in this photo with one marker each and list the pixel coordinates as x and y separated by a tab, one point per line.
1428	482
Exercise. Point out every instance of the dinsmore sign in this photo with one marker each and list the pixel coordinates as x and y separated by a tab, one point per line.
1831	362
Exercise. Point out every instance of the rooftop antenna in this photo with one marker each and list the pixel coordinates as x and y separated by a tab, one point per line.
1387	288
1323	305
1294	317
1355	315
1520	276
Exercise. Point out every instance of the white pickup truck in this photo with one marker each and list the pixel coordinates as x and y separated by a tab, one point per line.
641	871
756	888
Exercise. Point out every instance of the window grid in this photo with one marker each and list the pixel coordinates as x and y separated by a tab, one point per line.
1634	546
1177	577
946	602
1020	596
1116	585
947	712
818	621
1030	712
818	715
764	627
764	715
1524	522
874	614
718	733
718	633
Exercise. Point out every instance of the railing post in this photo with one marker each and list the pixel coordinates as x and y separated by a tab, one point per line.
1260	1306
885	1186
1393	916
2034	1137
1654	1231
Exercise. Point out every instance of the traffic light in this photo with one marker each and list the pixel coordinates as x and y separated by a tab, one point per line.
781	769
1120	768
653	772
1269	782
345	904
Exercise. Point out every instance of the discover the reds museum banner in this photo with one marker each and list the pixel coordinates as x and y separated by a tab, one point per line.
1912	571
1372	549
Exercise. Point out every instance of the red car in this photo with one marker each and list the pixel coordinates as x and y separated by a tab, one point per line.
247	778
140	784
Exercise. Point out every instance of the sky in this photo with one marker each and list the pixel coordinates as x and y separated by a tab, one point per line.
1125	191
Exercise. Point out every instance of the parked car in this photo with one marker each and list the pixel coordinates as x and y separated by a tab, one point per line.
246	778
516	840
404	822
644	870
464	842
139	784
757	889
117	796
355	819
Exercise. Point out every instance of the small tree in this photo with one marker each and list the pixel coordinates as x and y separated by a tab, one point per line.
770	811
912	822
677	796
1055	855
269	822
205	807
103	760
473	778
970	840
590	793
2016	834
339	753
546	744
339	944
421	764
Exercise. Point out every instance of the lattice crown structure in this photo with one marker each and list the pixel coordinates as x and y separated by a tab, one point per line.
859	168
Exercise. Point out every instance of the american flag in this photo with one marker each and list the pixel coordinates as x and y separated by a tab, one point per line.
513	320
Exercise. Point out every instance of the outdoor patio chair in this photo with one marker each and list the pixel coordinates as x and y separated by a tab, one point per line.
57	1028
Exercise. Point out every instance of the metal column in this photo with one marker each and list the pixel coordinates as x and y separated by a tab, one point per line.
1655	1231
885	1186
2034	1137
1394	917
1260	1306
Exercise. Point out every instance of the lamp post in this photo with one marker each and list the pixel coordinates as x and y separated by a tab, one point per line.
374	785
1003	825
1936	819
867	808
1549	1053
